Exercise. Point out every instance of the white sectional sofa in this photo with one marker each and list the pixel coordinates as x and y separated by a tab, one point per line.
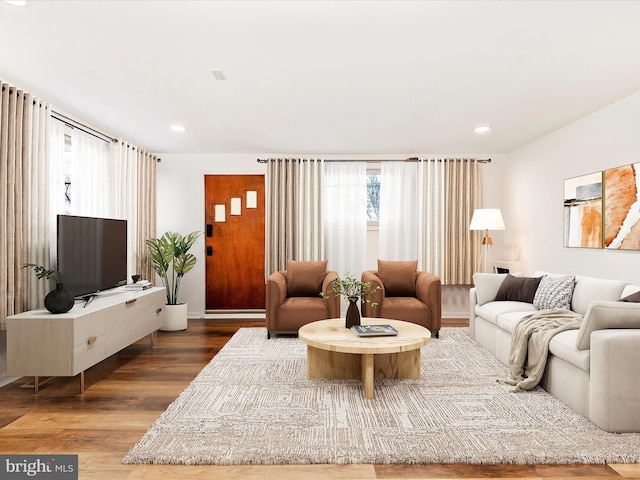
595	369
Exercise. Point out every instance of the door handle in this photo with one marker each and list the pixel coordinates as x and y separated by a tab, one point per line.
209	229
209	251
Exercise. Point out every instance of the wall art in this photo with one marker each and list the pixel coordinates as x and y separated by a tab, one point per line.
622	207
583	211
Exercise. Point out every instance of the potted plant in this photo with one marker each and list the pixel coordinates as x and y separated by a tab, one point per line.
353	290
170	259
57	300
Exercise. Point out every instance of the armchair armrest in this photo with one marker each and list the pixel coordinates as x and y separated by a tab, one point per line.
333	301
473	301
614	397
429	292
377	297
606	314
276	295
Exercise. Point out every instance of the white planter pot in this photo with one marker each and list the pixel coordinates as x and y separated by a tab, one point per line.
175	318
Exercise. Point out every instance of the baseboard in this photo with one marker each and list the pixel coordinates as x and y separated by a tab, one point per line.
464	314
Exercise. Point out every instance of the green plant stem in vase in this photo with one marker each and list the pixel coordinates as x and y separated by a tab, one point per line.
353	290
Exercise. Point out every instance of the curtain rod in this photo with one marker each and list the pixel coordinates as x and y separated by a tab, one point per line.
75	124
412	159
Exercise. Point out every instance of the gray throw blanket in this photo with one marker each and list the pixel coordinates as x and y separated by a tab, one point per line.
530	345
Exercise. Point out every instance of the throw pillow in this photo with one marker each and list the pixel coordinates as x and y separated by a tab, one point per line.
304	279
518	289
554	293
398	278
634	297
487	286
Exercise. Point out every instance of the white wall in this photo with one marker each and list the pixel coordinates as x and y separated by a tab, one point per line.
533	193
181	208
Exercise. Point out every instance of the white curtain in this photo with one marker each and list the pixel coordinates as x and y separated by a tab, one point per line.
122	183
399	211
58	173
345	216
89	190
294	229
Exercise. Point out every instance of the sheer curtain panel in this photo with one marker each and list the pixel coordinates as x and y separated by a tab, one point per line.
123	181
294	197
90	192
398	211
25	122
345	216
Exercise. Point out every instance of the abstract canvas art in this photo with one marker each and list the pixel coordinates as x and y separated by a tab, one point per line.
622	207
583	211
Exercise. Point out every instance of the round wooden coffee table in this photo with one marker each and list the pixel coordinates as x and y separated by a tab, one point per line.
334	351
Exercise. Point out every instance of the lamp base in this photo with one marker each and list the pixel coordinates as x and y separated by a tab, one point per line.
486	262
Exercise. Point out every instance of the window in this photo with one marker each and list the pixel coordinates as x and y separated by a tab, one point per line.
373	197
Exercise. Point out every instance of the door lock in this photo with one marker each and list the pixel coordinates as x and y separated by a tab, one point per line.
209	251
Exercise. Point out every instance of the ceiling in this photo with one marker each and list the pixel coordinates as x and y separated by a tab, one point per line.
324	77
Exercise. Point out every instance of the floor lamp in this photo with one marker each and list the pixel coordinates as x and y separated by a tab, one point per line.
486	219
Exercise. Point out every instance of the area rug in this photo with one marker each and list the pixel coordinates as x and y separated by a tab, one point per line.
254	405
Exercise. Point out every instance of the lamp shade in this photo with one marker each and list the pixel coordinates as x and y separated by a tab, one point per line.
487	219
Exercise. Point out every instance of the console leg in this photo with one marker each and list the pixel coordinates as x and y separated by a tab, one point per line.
82	381
36	384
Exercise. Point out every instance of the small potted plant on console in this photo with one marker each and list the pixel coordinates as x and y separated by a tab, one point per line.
57	300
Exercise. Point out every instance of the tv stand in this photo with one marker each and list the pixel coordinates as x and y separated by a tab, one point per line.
41	344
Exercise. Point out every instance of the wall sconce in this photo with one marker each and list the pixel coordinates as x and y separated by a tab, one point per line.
486	219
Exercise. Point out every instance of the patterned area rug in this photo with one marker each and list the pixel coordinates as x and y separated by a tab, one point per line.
254	405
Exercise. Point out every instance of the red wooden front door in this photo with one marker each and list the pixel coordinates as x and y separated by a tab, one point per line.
234	242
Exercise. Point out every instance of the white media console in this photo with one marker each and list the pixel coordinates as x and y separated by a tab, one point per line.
41	344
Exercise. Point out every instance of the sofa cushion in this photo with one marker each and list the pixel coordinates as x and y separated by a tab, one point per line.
408	309
487	286
588	289
518	289
298	311
554	293
563	345
507	321
604	314
304	279
490	311
629	289
398	277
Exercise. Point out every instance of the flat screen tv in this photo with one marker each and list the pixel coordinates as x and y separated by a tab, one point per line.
92	254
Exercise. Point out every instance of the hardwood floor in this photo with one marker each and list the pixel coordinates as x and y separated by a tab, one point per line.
128	391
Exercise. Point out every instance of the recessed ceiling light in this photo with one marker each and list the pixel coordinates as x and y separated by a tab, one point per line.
178	128
482	129
17	3
218	74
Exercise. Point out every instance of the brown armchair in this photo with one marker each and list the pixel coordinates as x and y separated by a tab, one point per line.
293	296
405	294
